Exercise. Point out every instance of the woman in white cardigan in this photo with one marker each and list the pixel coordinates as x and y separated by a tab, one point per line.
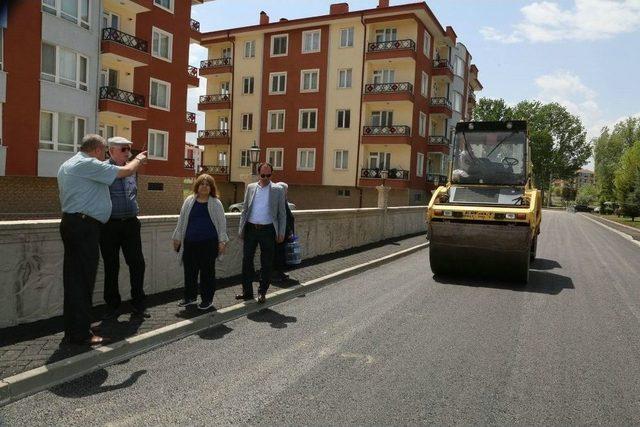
199	237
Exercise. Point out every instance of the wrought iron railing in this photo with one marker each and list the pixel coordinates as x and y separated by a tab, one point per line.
388	87
191	117
399	130
442	63
115	35
217	62
441	102
195	25
193	71
437	178
391	173
214	169
439	140
392	45
216	97
213	133
189	163
115	94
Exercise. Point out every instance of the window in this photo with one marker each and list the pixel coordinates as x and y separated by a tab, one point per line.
459	67
344	80
247	121
158	144
309	80
308	121
341	160
109	77
223	123
386	35
384	76
76	11
164	4
250	49
63	66
247	85
279	45
107	131
110	20
276	121
245	160
306	159
426	43
226	52
346	37
274	156
1	47
382	118
344	119
222	158
420	164
422	124
278	83
311	41
61	131
160	94
424	85
437	163
379	160
224	88
457	101
344	192
161	44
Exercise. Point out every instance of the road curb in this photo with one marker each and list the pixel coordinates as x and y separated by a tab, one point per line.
620	233
38	379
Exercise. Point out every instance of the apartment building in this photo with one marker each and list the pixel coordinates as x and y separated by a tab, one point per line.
114	67
333	100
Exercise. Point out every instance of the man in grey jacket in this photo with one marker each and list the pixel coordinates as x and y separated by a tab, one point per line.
263	222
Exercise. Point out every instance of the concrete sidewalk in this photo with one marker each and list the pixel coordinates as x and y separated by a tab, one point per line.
30	346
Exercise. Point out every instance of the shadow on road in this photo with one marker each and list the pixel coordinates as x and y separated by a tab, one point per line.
92	383
540	282
215	333
545	264
275	319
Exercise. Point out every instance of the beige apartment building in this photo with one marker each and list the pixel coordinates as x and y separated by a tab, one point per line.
333	100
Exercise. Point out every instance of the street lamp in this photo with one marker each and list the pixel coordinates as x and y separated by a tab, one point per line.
383	192
384	174
254	158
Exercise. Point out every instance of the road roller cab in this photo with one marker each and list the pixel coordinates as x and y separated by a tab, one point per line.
486	220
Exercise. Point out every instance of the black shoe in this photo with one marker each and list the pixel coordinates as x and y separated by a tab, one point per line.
205	306
187	302
261	298
141	314
243	297
111	314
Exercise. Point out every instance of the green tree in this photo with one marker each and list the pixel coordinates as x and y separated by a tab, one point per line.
587	195
628	173
631	205
491	110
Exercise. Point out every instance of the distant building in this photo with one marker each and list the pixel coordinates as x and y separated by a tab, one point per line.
584	177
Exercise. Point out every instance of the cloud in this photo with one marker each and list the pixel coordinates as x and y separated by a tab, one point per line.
588	20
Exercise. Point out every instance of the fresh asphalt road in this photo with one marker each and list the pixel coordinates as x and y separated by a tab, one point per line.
396	346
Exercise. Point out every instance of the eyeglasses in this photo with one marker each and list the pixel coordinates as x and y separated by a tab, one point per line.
125	149
265	175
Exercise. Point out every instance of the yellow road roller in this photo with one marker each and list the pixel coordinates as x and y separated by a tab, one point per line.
485	221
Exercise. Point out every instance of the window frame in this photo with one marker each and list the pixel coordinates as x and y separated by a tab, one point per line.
349	30
245	160
344	159
56	77
171	6
301	113
426	44
422	124
424	85
420	164
453	103
273	38
310	71
166	145
317	31
460	63
251	79
162	32
249	123
252	49
55	132
277	74
299	158
274	163
57	11
284	120
168	84
344	118
347	71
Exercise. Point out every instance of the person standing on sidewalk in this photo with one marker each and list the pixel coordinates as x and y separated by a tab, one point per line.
280	259
83	184
262	222
122	231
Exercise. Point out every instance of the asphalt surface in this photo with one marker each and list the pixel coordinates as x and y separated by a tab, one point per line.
396	346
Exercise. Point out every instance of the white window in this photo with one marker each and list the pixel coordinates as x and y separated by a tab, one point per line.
422	124
160	94
276	121
250	49
309	80
274	156
247	85
384	76
226	52
279	45
424	85
343	120
223	123
308	121
386	35
459	67
222	158
420	164
457	101
344	192
344	80
224	88
157	145
164	4
306	159
64	66
379	160
346	37
341	160
311	41
426	43
161	44
247	121
107	131
278	83
245	160
76	11
61	131
382	118
110	20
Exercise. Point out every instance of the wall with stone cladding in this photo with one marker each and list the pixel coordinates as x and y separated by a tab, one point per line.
27	197
326	197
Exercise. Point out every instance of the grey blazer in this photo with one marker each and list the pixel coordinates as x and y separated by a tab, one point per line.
276	206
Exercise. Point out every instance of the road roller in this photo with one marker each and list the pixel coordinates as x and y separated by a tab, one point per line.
485	222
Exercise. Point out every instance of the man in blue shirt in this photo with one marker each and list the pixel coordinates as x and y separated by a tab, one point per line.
83	183
122	231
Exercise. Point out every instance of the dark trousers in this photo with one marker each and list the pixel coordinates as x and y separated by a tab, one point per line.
125	235
280	258
81	239
265	236
199	258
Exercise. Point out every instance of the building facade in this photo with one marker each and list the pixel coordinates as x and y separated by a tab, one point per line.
333	100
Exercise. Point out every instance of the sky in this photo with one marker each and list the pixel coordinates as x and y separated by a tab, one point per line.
583	54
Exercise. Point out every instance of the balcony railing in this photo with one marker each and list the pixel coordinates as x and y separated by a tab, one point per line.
115	94
442	63
399	130
218	62
191	117
391	174
214	169
217	97
195	25
189	163
193	71
213	133
434	178
388	87
441	102
439	140
115	35
392	45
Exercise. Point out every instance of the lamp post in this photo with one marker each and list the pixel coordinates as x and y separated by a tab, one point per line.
254	158
383	191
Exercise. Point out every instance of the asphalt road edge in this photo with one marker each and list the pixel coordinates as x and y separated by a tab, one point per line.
27	383
621	233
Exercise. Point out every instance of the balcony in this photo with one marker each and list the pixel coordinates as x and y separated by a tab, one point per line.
214	136
388	92
216	66
397	178
194	31
218	101
125	47
220	173
391	49
442	67
441	105
439	140
436	179
122	103
190	164
471	98
191	122
192	76
397	134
